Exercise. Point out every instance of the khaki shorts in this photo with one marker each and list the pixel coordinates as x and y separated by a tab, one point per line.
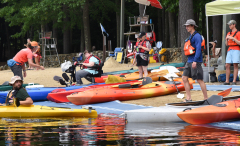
196	73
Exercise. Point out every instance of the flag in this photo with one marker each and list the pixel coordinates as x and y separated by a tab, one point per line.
103	30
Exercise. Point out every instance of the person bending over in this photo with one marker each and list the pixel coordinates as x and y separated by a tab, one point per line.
89	67
18	92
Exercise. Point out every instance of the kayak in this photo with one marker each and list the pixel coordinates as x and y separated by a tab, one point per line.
40	94
8	87
37	111
125	92
167	113
155	67
101	79
60	95
213	113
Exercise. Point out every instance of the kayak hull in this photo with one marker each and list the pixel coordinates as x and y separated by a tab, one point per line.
213	113
37	111
60	96
107	94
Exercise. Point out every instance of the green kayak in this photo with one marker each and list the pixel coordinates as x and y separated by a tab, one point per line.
8	87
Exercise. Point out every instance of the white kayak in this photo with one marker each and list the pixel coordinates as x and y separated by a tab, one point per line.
169	112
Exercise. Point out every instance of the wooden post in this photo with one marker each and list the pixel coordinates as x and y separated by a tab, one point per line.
109	45
104	48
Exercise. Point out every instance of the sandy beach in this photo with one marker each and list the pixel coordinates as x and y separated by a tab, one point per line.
45	77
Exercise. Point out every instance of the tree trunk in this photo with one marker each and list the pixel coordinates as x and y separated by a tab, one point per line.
86	26
66	32
166	32
55	33
172	31
217	30
163	26
186	12
141	14
117	2
160	31
179	31
8	51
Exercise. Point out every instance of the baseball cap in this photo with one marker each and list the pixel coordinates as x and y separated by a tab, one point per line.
141	34
232	22
190	22
14	79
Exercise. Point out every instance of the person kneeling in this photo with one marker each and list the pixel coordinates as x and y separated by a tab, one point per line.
88	67
18	92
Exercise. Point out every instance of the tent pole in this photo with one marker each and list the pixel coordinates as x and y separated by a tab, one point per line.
208	49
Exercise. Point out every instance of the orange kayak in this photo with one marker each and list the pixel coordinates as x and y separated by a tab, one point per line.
112	93
213	113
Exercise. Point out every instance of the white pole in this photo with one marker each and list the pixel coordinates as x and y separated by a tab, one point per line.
208	49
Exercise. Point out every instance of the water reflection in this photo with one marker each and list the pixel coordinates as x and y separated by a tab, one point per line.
110	130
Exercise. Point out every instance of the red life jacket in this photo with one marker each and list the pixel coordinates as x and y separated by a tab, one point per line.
142	43
87	61
231	42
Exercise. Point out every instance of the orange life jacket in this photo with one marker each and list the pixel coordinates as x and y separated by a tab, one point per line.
232	42
87	61
188	48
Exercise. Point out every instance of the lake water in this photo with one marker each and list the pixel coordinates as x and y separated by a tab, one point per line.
112	130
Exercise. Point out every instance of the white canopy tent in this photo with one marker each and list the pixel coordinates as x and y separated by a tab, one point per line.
220	7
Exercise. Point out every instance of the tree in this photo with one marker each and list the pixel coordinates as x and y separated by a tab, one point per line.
217	30
87	36
186	12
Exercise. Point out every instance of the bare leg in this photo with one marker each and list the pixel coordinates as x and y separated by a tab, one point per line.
37	60
204	88
235	72
187	87
140	69
145	71
227	72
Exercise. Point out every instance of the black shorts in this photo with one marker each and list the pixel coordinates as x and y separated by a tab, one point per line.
195	74
141	62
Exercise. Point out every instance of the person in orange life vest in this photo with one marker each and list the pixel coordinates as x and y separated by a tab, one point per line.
17	64
193	68
142	54
233	54
87	64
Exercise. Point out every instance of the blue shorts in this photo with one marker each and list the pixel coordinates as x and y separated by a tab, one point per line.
233	56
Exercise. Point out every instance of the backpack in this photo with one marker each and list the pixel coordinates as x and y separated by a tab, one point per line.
222	78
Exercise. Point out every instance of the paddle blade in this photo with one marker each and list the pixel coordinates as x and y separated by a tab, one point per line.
16	102
57	78
5	83
225	92
62	82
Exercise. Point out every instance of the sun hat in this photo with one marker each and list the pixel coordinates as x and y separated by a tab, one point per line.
190	22
142	34
14	79
232	22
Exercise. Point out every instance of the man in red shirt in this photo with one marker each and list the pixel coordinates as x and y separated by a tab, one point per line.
233	54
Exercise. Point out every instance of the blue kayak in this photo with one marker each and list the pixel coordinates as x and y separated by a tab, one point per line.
40	94
155	67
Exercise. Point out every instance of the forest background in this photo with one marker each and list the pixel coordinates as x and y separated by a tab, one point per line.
75	23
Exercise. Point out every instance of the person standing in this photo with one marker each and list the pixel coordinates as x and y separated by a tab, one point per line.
193	68
143	54
233	54
17	64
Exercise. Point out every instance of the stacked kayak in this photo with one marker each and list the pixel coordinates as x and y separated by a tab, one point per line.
37	111
125	92
8	87
39	94
213	113
60	95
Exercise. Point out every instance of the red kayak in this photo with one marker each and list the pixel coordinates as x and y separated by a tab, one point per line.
60	95
213	113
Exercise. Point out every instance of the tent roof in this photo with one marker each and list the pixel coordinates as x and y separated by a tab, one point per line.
223	7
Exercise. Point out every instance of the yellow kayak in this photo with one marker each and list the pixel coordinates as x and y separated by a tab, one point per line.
37	111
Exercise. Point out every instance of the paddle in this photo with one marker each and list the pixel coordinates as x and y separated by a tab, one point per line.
57	78
16	102
225	92
5	83
181	96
